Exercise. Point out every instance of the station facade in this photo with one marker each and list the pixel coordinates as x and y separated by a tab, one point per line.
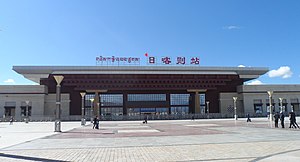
137	90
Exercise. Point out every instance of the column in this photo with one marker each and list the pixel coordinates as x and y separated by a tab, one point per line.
57	123
197	103
82	108
197	99
270	93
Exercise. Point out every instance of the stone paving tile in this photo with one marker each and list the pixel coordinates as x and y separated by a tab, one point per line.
214	140
207	152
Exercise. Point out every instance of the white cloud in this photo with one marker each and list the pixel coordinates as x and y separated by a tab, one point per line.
9	81
255	82
283	71
231	27
241	66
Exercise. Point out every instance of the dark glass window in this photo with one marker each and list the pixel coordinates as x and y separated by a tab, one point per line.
180	99
23	110
87	100
258	108
180	110
202	99
134	111
111	100
9	111
147	97
107	111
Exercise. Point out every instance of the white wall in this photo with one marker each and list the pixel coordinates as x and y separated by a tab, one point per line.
50	105
226	100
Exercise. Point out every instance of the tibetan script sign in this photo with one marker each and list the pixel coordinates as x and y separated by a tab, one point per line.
117	60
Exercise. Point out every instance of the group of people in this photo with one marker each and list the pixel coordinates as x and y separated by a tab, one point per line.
292	117
278	116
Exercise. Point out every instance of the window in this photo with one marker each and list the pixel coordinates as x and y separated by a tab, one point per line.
87	101
107	111
133	111
111	100
258	109
10	108
202	99
10	111
180	110
284	105
180	99
23	110
268	105
147	97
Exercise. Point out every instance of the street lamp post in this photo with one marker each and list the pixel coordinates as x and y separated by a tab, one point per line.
234	105
92	102
26	113
98	109
82	108
270	93
58	79
207	103
281	107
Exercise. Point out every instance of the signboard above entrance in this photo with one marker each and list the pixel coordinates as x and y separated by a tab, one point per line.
177	61
151	60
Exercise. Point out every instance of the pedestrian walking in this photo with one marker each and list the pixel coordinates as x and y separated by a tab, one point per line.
276	117
95	121
282	119
248	118
193	117
293	123
11	120
145	119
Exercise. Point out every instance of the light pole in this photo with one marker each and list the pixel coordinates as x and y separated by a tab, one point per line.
58	79
270	93
98	107
281	107
92	102
26	113
82	108
207	103
234	105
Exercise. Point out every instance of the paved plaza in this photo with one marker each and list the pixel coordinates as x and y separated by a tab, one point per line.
162	140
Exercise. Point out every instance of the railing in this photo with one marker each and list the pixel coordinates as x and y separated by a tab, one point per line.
141	117
176	116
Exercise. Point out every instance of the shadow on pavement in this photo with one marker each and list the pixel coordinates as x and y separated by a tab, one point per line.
28	158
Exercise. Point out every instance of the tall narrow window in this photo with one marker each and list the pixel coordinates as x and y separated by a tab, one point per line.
258	109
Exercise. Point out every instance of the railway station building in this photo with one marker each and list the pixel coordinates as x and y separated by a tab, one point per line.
128	91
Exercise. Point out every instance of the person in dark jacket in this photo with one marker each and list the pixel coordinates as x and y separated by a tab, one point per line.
276	117
293	122
248	118
11	120
145	119
282	119
96	123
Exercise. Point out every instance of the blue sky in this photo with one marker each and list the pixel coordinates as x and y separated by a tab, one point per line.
256	33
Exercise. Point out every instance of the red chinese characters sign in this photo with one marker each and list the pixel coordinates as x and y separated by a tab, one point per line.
177	61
